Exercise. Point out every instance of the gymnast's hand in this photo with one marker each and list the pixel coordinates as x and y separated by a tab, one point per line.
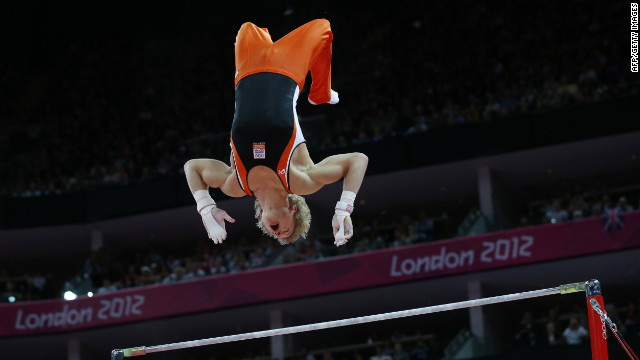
342	228
213	221
341	222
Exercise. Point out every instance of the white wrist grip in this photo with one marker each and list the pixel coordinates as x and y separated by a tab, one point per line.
347	199
204	202
342	208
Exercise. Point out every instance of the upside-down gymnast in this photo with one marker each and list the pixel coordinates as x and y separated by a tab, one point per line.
269	158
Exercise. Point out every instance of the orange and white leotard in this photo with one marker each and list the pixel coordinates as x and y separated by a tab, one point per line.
269	76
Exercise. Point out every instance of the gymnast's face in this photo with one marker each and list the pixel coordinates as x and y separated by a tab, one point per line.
279	221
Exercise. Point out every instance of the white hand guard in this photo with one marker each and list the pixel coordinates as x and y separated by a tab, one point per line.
334	98
341	222
212	217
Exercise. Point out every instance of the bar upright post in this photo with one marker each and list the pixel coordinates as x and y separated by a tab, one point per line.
597	329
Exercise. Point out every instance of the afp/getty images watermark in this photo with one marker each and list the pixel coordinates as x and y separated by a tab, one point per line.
634	37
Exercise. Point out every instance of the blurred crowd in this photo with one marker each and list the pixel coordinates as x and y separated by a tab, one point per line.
392	346
174	264
578	204
122	109
570	327
111	269
388	345
23	285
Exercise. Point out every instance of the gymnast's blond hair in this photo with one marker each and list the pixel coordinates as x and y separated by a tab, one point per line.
301	218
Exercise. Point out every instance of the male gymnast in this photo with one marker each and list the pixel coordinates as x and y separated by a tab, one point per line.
269	157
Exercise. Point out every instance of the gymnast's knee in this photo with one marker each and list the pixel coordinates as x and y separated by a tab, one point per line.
248	24
322	23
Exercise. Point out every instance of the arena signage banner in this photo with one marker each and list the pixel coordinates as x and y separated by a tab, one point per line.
421	261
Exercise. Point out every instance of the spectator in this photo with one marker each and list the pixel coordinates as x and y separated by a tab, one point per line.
606	203
132	275
206	261
420	351
397	336
552	314
614	315
193	270
33	288
327	356
28	290
304	251
308	355
578	207
425	225
164	275
526	335
178	274
400	239
155	256
361	246
127	281
597	206
622	204
380	355
10	293
218	267
631	319
256	258
419	121
575	333
107	286
552	337
388	349
146	277
557	214
236	261
399	353
39	281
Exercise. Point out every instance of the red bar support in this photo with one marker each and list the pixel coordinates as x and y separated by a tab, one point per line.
596	328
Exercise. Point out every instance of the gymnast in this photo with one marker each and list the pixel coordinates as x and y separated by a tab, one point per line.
269	157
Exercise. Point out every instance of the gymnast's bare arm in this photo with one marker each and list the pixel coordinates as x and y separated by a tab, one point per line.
311	178
204	173
352	167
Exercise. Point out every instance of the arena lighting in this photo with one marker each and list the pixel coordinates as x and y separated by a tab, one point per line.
12	299
70	295
78	285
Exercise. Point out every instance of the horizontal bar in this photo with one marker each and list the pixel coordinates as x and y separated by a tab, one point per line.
562	289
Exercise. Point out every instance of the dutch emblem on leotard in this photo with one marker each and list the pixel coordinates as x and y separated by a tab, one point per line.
259	150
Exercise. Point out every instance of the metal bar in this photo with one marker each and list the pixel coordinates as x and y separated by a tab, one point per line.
563	289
